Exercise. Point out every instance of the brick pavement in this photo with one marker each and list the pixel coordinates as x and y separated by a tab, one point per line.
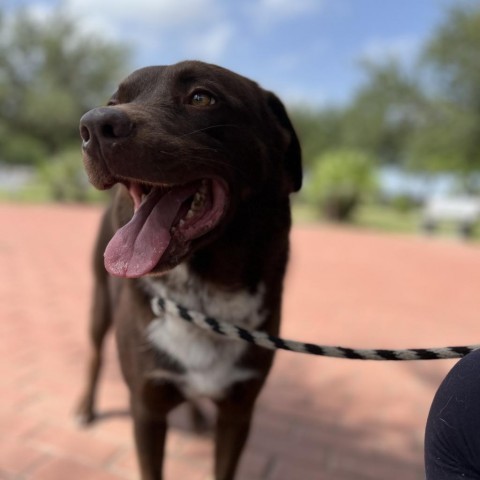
317	419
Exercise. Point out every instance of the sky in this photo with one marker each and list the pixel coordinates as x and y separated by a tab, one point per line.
307	51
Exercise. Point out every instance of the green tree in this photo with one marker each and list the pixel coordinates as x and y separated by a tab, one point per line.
339	181
319	131
384	112
452	56
50	74
448	136
380	118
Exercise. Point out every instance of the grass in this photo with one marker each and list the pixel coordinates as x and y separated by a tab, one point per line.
371	216
387	219
40	192
381	218
31	193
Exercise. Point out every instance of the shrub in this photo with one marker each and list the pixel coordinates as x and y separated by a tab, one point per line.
20	149
65	177
339	181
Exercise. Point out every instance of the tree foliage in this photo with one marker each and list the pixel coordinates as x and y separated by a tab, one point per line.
451	54
380	119
50	74
319	131
448	137
384	112
339	180
423	115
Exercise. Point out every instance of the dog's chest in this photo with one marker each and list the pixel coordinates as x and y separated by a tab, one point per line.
210	361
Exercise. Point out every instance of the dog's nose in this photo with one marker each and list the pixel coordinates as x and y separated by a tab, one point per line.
106	124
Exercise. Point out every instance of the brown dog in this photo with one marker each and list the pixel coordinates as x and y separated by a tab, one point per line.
206	161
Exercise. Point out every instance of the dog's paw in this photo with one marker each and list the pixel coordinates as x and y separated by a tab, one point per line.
84	414
84	419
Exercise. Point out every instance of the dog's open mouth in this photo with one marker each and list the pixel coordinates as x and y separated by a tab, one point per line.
166	219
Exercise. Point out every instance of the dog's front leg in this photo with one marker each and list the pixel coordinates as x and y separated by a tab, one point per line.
149	411
232	429
150	442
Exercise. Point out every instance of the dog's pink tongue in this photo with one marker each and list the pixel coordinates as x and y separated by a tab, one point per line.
138	246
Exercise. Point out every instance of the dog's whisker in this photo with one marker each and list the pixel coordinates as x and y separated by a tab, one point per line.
208	128
209	162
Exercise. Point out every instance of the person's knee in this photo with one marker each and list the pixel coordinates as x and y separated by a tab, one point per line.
452	439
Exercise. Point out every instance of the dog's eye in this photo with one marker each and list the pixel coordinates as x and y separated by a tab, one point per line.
202	99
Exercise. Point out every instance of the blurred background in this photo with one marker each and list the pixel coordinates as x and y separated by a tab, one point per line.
385	96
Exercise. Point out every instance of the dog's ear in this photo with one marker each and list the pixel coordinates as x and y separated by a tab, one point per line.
293	153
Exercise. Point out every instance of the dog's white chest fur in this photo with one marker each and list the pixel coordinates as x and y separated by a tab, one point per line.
209	360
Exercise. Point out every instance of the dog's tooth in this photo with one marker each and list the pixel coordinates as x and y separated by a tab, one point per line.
198	201
203	187
197	205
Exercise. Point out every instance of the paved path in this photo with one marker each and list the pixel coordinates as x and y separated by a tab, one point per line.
317	419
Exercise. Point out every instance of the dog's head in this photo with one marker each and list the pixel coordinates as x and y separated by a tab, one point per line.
189	142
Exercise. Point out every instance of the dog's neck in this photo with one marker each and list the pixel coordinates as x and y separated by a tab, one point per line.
250	247
186	289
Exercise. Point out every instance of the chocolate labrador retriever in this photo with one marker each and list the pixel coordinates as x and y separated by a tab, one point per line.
204	161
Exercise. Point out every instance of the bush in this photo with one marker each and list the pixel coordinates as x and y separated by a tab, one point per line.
404	203
65	177
339	181
20	149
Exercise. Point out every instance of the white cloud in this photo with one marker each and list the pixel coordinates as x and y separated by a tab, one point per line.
403	48
290	61
301	96
212	44
148	13
165	29
265	13
287	8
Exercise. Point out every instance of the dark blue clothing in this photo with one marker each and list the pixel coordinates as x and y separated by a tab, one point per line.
452	438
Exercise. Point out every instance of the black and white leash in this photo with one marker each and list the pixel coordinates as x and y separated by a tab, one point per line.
271	342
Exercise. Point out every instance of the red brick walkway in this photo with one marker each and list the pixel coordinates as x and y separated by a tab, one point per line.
317	419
